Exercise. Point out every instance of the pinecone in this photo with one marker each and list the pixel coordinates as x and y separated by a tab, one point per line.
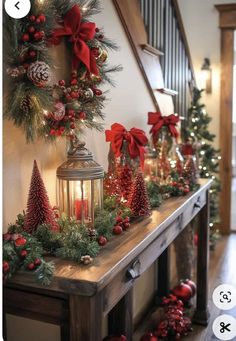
26	104
39	73
92	233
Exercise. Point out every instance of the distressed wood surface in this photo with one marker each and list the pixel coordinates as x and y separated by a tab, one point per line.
119	252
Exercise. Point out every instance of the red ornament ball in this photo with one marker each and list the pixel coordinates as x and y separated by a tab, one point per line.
117	229
102	240
182	291
37	36
32	54
31	29
7	236
97	29
42	18
74	81
37	262
126	226
119	219
97	92
25	37
72	126
62	82
31	266
20	241
37	20
5	266
32	18
23	253
149	337
192	285
82	115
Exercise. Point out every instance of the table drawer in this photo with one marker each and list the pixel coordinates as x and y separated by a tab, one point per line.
193	207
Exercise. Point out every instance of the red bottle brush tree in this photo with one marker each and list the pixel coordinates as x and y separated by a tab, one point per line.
139	201
38	210
125	179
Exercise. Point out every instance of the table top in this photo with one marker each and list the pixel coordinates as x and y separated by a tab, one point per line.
116	255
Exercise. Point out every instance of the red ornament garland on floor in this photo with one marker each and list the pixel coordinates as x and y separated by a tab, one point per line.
39	210
139	201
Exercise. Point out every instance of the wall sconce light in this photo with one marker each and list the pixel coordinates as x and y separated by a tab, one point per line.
207	75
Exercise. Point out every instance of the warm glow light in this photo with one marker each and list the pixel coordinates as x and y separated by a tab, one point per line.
202	152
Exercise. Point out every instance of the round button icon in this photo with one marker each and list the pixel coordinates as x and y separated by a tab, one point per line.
224	327
224	297
17	9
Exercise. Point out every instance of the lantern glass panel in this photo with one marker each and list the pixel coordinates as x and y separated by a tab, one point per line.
79	198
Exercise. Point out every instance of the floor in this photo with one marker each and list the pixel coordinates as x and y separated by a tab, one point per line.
233	205
222	271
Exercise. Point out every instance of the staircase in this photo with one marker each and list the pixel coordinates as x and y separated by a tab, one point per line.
156	33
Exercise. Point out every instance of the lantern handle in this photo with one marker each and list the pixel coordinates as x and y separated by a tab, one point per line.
75	145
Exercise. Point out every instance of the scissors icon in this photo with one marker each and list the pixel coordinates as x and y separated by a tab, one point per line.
224	327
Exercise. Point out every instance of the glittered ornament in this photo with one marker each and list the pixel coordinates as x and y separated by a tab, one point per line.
26	104
39	73
59	112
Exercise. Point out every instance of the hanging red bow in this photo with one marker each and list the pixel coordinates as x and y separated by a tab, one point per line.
79	33
158	121
136	140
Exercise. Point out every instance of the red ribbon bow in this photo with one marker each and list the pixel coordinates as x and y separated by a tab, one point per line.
79	33
136	140
158	121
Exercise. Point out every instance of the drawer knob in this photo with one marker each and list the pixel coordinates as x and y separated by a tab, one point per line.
134	270
196	205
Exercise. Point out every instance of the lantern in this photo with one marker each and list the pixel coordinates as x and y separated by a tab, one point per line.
80	184
150	165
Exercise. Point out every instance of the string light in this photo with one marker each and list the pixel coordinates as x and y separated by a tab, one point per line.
219	157
202	152
213	177
200	167
204	168
213	160
192	134
207	174
203	142
211	224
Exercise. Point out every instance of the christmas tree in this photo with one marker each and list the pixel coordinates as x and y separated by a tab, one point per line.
197	128
139	201
38	207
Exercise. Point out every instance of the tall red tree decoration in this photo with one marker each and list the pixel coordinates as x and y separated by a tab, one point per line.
125	176
38	207
139	201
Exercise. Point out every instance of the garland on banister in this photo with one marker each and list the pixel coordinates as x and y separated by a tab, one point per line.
36	102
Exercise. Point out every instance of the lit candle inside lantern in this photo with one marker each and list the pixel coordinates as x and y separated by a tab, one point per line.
81	203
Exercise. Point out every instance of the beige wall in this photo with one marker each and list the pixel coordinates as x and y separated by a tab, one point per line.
201	25
129	103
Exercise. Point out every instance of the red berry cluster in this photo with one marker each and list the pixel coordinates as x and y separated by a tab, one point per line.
180	187
122	224
20	243
34	33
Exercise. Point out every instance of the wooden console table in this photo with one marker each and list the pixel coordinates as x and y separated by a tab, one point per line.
80	296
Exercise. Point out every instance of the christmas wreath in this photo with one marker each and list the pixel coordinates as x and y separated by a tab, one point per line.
35	102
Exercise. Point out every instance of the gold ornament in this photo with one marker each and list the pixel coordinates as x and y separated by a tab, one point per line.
102	56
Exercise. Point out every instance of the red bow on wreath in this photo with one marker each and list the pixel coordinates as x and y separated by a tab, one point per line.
158	121
79	33
136	140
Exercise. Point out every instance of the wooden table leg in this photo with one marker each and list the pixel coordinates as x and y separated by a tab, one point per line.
163	273
201	315
120	318
86	317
